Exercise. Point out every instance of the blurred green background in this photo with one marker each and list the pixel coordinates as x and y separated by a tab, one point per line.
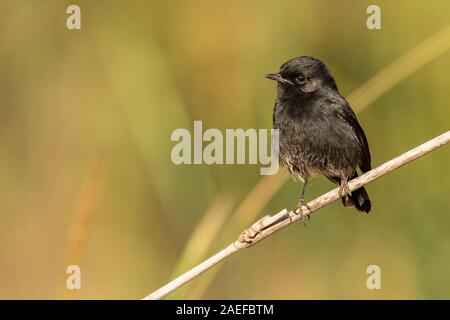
86	176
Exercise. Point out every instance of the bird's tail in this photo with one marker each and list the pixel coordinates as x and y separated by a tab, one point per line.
359	198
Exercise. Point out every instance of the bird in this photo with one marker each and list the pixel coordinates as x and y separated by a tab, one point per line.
319	133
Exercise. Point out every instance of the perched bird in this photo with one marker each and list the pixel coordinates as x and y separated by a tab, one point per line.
318	131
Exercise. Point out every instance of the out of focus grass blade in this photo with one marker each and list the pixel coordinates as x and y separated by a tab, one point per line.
203	235
400	69
152	107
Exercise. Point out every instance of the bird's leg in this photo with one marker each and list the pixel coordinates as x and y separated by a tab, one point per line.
344	190
302	203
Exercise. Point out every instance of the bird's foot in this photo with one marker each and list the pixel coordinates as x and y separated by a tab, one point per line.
301	206
344	190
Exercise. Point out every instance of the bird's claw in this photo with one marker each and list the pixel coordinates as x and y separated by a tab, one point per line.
299	210
344	190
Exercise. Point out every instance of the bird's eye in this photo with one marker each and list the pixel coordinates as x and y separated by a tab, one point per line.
301	79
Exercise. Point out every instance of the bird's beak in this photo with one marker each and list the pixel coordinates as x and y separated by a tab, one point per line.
277	77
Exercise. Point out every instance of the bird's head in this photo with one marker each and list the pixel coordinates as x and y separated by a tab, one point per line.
303	76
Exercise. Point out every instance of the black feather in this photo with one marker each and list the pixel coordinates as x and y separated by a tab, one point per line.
319	132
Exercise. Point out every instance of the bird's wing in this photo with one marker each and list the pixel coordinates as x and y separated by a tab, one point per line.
346	113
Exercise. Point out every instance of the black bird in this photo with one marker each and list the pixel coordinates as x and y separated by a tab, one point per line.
318	131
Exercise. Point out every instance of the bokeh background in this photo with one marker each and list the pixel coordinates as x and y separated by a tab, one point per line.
86	176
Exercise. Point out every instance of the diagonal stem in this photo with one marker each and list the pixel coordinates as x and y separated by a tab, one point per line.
268	225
